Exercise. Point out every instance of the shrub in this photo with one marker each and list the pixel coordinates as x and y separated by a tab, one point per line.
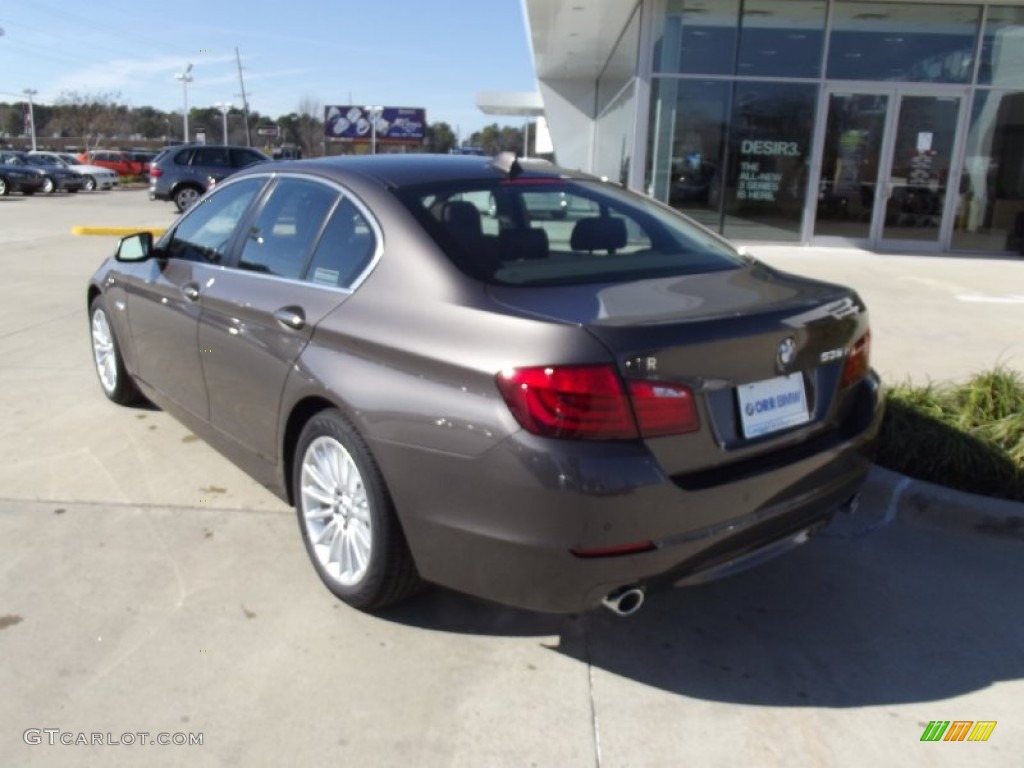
969	436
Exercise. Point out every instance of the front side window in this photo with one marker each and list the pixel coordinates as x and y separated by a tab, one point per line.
206	231
563	232
282	236
241	158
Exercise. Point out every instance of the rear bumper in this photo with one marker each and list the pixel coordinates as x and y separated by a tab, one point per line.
503	526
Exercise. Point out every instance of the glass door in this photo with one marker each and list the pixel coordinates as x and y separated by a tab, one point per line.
886	157
855	130
917	179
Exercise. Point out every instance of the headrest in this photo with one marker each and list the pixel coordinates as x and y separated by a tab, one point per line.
598	233
516	244
461	215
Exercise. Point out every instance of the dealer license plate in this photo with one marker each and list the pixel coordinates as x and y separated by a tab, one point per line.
772	405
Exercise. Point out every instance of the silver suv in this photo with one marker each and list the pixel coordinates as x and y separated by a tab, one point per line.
184	172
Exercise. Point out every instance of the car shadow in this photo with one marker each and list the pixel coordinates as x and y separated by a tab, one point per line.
901	615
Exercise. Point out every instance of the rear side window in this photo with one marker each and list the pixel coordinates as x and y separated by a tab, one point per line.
345	249
215	157
552	231
182	157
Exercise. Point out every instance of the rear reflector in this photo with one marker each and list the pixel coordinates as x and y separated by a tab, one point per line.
858	360
588	402
622	549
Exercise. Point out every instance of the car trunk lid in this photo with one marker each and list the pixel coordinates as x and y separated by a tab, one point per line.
762	351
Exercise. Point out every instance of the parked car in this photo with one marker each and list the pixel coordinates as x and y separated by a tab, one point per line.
115	160
551	416
182	173
20	177
56	178
96	177
143	157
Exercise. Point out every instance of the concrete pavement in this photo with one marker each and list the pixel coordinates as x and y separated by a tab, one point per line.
148	585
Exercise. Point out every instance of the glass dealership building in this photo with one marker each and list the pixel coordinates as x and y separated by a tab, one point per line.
886	125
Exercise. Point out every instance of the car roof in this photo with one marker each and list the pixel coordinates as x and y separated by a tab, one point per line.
407	170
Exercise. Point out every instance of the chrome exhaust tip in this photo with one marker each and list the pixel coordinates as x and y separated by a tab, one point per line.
624	601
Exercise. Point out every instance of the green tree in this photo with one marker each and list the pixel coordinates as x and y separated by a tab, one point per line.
440	138
493	139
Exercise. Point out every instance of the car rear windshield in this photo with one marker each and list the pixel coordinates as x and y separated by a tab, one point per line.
553	231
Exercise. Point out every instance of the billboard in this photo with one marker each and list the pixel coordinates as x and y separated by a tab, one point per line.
392	125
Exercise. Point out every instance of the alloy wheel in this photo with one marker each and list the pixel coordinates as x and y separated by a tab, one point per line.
335	509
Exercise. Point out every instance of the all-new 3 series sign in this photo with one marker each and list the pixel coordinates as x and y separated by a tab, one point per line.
386	125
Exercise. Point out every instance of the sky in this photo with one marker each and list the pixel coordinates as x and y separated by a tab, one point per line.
435	54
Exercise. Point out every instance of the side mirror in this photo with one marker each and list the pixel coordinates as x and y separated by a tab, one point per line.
137	247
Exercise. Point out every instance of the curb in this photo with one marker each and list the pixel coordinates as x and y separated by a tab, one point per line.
917	501
116	231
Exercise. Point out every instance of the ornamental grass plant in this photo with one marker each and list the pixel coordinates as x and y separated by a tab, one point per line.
966	436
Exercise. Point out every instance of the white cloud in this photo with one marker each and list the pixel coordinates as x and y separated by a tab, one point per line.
126	74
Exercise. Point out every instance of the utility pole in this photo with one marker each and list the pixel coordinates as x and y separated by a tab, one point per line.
245	101
30	92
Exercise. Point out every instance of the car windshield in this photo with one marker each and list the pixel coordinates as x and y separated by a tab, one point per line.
71	160
549	231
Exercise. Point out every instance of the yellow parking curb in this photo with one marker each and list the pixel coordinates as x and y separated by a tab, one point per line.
117	231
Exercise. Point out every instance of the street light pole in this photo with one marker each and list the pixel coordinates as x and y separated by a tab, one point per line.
224	107
373	112
185	78
30	92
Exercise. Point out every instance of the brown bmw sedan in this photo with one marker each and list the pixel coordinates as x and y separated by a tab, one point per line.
509	379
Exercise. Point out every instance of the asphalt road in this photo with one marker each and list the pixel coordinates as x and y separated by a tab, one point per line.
146	585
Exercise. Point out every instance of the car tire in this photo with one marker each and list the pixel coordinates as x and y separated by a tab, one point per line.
185	197
90	184
48	186
348	521
115	381
4	189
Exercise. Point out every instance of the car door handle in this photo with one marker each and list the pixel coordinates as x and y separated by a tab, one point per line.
191	291
291	317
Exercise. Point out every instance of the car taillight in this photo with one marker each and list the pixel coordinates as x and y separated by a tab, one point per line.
663	409
858	360
588	402
155	173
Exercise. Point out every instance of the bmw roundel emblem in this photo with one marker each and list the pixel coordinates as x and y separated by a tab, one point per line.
786	354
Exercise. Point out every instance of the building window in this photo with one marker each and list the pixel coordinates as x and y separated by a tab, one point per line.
697	37
686	149
990	214
769	155
909	42
782	38
1002	47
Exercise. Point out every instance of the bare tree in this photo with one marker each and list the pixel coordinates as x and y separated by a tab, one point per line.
89	116
311	126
